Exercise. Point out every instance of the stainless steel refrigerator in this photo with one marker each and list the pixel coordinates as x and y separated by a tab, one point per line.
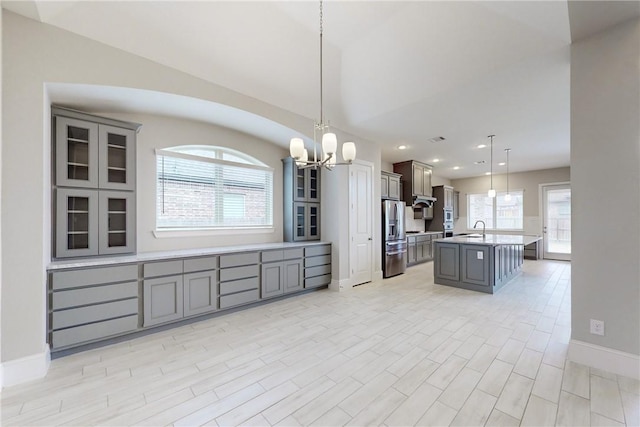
394	249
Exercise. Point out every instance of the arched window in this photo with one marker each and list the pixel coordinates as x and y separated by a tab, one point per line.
200	186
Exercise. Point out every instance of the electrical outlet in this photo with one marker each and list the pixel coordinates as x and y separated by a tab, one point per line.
596	327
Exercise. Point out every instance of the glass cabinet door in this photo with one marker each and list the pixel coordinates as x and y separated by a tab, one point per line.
117	158
76	223
313	185
300	221
300	185
313	221
117	222
76	153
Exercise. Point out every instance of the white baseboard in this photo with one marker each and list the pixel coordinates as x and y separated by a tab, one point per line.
25	369
605	358
340	285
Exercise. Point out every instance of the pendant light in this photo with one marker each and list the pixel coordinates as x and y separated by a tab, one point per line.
328	140
507	197
492	192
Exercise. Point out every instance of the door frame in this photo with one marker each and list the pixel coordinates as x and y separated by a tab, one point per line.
353	219
542	209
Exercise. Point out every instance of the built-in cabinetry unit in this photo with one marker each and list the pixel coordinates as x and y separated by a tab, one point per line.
416	179
390	185
456	204
89	303
420	247
95	181
442	215
301	198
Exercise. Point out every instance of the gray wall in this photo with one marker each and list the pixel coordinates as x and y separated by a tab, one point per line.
527	181
605	179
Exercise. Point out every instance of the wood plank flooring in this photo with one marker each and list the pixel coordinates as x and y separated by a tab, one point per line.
397	352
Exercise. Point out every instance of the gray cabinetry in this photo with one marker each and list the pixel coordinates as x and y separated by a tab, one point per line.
92	304
447	261
317	266
200	283
163	297
281	272
390	185
301	202
416	179
239	279
421	247
476	268
93	154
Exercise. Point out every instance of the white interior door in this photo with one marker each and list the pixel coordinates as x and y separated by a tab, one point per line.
361	223
556	221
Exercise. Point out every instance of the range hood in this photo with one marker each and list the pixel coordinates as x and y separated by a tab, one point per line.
423	201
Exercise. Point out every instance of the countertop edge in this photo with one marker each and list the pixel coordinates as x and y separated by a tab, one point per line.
182	253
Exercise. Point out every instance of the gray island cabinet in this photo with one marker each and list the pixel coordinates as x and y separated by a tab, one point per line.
483	264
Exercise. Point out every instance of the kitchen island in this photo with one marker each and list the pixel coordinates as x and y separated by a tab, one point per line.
477	262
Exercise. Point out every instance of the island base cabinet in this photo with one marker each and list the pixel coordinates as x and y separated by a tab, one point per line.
163	300
476	265
447	261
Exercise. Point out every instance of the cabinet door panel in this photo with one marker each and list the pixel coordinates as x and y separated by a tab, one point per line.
292	273
313	221
447	261
117	158
163	300
313	184
76	222
475	267
117	222
200	293
394	188
272	281
418	180
76	153
384	186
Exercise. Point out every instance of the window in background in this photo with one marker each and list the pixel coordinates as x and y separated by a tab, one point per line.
212	187
497	213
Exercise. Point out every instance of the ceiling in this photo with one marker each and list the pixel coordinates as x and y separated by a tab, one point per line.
395	72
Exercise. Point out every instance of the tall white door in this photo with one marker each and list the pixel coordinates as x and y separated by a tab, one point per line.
556	221
361	223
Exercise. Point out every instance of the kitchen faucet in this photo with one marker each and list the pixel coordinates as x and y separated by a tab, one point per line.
484	226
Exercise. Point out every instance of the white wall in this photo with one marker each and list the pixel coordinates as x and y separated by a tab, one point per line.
605	177
527	181
35	54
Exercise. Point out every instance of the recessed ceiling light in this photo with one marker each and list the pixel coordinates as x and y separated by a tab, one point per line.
402	147
455	168
487	173
479	162
435	160
482	146
501	164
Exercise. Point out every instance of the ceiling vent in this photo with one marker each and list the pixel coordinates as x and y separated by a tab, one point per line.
436	139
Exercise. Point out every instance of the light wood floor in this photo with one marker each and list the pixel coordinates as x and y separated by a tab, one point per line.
402	351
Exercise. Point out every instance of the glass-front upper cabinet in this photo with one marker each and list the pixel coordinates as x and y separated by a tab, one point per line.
76	153
117	225
117	158
77	222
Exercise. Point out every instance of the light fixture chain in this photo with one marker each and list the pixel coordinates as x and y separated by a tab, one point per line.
321	109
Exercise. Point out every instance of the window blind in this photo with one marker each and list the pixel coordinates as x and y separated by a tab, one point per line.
202	192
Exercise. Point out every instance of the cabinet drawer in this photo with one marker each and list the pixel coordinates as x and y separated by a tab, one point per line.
239	285
422	239
93	313
235	260
317	260
164	268
239	298
314	282
293	253
317	250
239	272
200	264
317	271
93	331
93	276
97	294
271	256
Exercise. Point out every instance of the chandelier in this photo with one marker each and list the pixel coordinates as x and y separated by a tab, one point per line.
329	142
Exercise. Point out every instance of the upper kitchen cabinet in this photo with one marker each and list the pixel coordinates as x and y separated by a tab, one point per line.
302	183
416	179
390	185
92	152
446	194
95	182
456	204
301	202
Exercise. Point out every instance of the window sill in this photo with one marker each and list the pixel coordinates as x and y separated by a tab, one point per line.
203	232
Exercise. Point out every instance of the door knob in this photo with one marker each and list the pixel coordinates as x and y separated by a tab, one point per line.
369	238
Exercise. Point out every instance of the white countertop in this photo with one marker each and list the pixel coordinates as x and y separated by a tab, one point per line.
493	239
422	233
184	253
